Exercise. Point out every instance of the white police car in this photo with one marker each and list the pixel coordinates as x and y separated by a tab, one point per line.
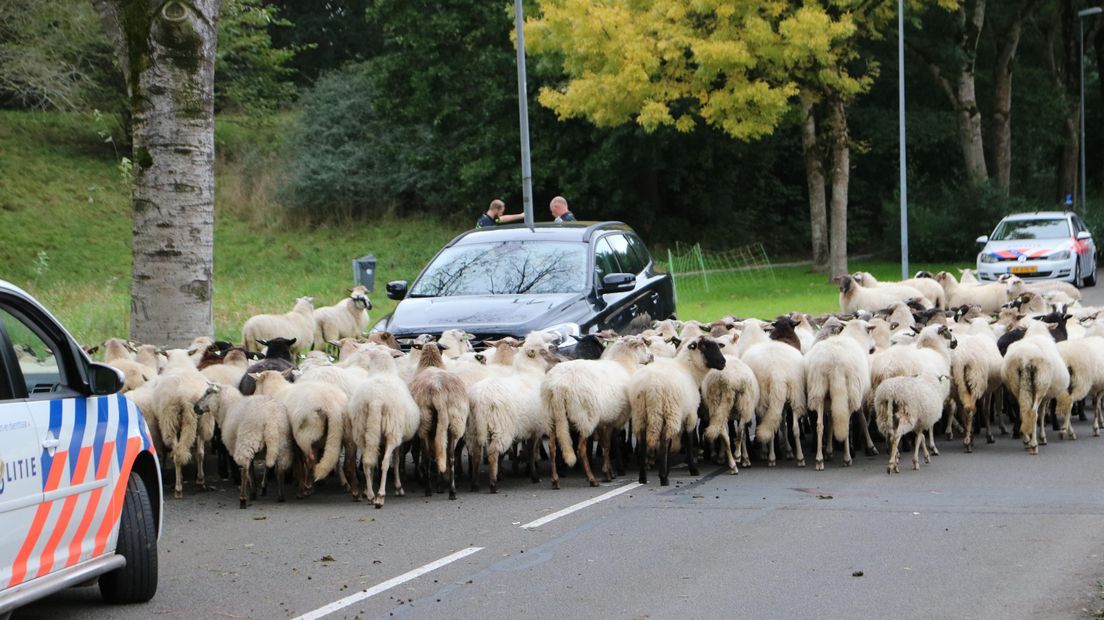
1041	245
80	485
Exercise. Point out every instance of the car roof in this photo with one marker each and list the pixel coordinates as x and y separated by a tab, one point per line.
8	287
544	231
1039	215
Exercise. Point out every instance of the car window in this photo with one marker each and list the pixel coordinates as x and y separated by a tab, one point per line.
505	268
1078	224
1039	228
34	355
639	251
625	258
605	262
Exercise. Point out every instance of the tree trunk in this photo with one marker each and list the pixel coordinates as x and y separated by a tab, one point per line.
167	53
841	177
814	175
1068	153
1008	41
965	95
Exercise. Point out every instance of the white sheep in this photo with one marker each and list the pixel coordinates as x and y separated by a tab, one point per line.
975	375
730	395
384	416
506	408
230	371
442	398
837	381
928	287
591	396
779	371
989	296
1084	357
853	298
316	414
664	397
297	324
904	404
182	431
1016	286
347	318
252	427
1035	373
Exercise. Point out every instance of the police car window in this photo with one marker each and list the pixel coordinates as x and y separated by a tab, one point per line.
604	261
625	257
35	356
639	251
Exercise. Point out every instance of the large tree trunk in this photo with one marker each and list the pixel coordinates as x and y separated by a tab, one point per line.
966	106
814	175
1008	41
841	177
167	53
1070	75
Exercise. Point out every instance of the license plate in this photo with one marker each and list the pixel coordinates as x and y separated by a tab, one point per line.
1022	269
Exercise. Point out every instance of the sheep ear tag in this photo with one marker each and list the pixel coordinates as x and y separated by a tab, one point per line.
532	353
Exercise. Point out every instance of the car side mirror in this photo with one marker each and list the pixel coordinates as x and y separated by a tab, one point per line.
618	283
396	290
1083	235
982	240
104	379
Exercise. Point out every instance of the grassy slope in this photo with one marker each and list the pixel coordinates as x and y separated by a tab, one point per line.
65	237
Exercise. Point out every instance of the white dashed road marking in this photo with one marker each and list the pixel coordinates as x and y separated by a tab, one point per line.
576	507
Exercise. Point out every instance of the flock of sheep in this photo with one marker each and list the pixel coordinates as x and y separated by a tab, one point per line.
911	353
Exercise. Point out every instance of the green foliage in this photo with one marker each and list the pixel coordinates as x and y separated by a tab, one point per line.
252	73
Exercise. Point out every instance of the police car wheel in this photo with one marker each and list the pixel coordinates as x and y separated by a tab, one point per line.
137	581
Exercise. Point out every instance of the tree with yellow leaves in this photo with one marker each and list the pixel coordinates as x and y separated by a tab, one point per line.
737	65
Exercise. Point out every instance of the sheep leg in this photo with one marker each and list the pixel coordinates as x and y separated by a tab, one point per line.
771	461
796	422
492	468
819	440
585	457
894	445
642	458
847	449
535	445
605	438
871	450
1098	402
969	408
385	466
692	451
553	446
245	480
916	451
199	456
352	482
178	486
1066	406
398	475
1042	427
931	442
451	464
369	480
424	467
515	457
745	455
729	456
664	456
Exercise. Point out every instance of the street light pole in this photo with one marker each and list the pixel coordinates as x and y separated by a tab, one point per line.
523	112
1081	113
901	136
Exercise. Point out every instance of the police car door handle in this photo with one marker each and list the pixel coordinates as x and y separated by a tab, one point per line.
50	443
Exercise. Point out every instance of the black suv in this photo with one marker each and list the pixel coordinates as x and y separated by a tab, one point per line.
573	278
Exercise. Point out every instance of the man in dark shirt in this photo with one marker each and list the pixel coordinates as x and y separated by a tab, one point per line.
559	210
496	214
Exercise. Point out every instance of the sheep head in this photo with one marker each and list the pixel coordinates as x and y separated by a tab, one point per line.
705	354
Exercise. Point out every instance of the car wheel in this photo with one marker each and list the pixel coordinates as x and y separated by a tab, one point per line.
137	581
1090	280
1078	281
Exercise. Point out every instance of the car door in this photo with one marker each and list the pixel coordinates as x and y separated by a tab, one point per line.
1088	254
615	313
20	468
71	430
657	298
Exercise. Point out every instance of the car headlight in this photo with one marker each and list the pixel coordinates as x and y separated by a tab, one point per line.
986	258
567	332
1063	255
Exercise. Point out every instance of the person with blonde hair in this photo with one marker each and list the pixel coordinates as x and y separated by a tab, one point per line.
496	214
559	210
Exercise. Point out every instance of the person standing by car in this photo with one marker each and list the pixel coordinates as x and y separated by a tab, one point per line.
496	214
559	210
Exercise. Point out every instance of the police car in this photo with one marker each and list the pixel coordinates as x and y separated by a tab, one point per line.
80	485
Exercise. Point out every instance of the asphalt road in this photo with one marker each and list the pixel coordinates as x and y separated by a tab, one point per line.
993	534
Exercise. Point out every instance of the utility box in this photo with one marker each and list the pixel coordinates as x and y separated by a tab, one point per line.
364	272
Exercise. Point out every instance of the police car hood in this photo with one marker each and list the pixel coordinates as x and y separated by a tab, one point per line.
479	314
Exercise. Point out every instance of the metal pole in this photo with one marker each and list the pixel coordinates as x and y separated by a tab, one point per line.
523	112
901	136
1081	110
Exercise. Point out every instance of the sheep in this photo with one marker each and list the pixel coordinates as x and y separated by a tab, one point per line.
783	331
1017	286
837	379
297	326
975	374
969	276
1084	357
664	398
316	413
779	371
442	398
346	319
181	430
904	404
730	395
1035	373
989	296
231	370
278	357
805	331
252	427
383	416
150	357
853	297
928	287
455	343
506	408
591	396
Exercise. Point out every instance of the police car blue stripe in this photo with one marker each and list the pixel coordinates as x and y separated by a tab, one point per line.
102	416
80	419
55	432
121	432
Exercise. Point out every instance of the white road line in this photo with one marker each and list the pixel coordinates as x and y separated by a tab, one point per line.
387	585
570	509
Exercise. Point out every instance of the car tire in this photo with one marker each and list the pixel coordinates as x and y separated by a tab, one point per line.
137	581
1078	281
1090	280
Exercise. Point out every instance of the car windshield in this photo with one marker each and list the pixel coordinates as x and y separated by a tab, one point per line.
1011	230
505	268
